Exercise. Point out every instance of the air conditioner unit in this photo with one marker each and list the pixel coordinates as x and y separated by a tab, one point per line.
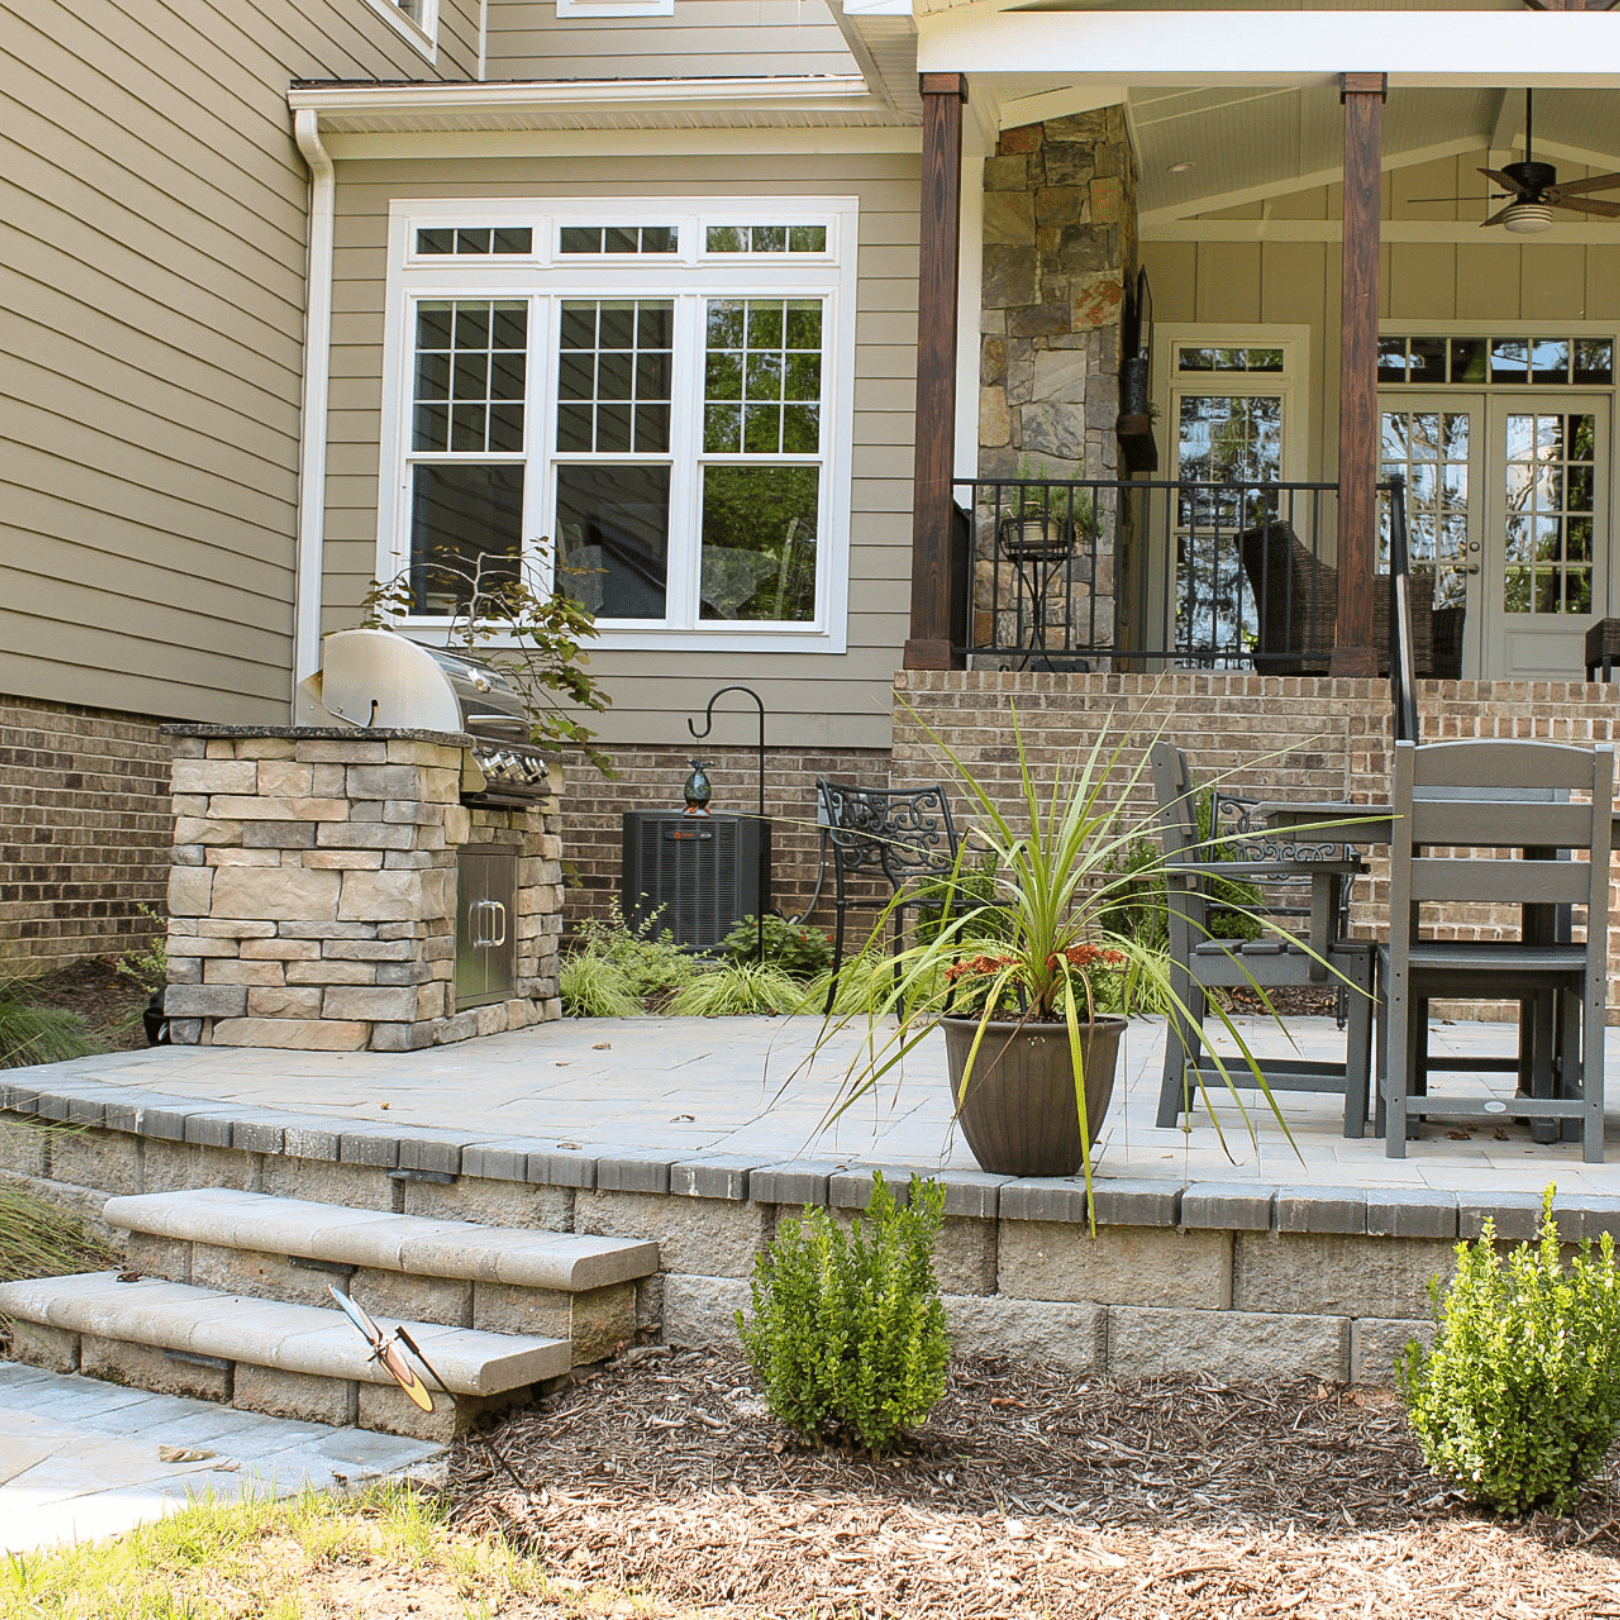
698	874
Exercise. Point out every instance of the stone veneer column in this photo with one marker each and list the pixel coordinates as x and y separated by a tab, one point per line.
1059	252
312	901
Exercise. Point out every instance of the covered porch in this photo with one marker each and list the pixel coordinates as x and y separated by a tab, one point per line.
1196	299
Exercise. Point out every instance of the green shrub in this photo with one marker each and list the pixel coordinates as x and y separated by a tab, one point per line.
1519	1400
621	967
799	951
848	1332
728	992
652	963
34	1034
149	966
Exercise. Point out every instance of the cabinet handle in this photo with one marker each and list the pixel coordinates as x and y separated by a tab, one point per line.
498	912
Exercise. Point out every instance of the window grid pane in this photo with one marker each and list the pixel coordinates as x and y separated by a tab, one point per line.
598	239
614	373
765	239
762	377
1550	471
471	376
1476	361
1429	450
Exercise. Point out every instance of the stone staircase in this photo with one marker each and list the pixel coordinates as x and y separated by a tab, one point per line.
226	1297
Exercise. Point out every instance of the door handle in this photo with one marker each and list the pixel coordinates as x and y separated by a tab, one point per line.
1471	568
478	919
498	913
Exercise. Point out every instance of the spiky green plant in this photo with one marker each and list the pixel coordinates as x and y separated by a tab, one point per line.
30	1033
1047	946
730	990
38	1239
595	986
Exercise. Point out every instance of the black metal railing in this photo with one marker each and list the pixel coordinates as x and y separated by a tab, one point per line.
1078	574
1402	644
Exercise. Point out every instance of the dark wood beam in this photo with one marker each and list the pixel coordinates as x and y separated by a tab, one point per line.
929	644
1363	97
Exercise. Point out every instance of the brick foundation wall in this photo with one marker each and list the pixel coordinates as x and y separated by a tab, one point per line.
1313	738
84	832
650	778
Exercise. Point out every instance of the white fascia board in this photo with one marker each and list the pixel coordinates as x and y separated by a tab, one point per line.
485	145
472	98
1418	49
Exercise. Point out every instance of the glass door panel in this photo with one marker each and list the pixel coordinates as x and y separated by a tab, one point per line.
1547	554
1438	447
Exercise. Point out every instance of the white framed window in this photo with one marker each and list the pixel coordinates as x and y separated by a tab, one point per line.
417	20
646	404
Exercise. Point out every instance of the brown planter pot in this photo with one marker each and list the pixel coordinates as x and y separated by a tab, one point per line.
1019	1116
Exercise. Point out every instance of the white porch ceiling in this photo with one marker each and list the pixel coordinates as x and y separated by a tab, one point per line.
1248	141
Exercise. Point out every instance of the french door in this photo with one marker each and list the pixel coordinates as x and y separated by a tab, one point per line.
1507	504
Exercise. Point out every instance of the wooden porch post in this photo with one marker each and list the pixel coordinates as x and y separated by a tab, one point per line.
1363	98
929	645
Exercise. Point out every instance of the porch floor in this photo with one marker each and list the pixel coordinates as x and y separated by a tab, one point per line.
741	1086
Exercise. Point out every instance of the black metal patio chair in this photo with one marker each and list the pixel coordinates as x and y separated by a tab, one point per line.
902	836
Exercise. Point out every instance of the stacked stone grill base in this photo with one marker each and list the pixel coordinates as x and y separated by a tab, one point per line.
312	902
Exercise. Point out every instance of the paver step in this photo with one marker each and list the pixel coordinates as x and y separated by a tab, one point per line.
564	1261
270	1333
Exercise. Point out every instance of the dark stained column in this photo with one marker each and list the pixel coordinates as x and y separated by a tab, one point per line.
1363	97
929	645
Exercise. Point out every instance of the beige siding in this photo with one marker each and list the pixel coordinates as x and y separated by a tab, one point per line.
704	38
813	699
152	242
1495	278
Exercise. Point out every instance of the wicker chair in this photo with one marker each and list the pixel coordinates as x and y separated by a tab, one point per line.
1298	599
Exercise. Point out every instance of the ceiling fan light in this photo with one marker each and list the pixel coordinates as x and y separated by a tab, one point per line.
1526	219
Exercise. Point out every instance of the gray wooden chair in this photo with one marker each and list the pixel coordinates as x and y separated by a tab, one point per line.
1508	848
1201	962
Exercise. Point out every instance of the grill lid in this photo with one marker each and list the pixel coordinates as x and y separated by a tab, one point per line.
376	678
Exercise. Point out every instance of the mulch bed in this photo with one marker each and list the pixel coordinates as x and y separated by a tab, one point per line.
108	1001
1030	1492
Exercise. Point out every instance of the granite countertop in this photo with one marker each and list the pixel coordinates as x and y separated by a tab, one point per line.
450	739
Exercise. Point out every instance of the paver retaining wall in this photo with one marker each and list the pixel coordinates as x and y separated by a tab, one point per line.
1237	1279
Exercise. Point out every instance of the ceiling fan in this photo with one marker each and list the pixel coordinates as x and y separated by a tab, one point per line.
1531	190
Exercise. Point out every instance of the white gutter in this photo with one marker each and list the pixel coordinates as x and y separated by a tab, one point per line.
802	92
310	557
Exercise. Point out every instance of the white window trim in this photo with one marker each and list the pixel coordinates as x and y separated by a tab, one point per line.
615	8
1292	383
692	274
424	35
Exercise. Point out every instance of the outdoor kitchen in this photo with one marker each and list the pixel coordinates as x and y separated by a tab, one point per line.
385	878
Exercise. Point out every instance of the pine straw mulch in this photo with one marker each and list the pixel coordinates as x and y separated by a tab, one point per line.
1029	1492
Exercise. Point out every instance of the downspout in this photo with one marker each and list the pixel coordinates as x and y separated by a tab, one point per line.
317	378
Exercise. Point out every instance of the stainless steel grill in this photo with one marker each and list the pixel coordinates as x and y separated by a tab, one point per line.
377	678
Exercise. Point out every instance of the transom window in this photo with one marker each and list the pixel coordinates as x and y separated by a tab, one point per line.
473	241
1195	357
1501	361
766	238
655	434
618	239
